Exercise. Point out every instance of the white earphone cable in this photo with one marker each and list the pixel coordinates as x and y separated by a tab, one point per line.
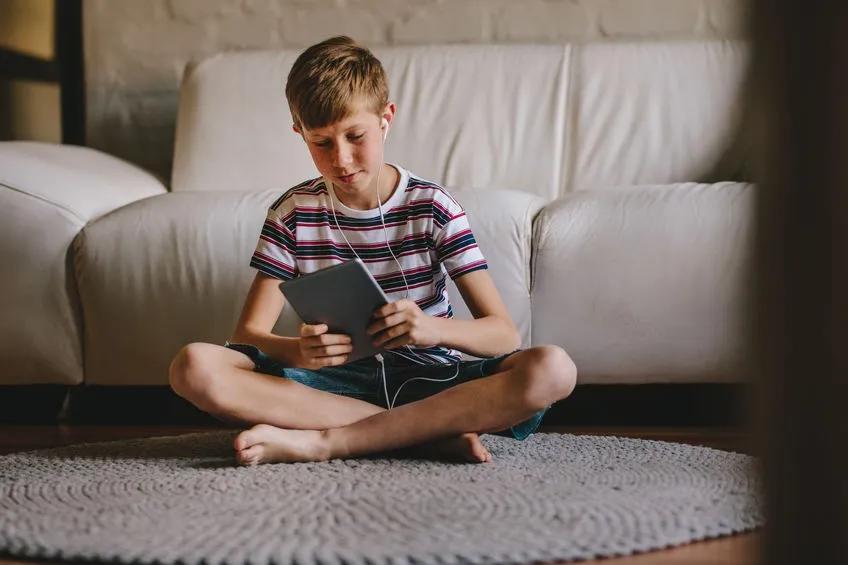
389	404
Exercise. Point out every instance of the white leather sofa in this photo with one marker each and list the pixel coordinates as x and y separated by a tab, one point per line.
588	172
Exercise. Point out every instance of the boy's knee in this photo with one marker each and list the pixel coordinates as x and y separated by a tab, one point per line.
190	374
549	375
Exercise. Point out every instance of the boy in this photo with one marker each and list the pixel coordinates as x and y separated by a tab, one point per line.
304	401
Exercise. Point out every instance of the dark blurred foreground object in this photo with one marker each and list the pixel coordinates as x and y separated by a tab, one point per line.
799	93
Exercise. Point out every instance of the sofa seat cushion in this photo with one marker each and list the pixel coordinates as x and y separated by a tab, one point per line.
174	269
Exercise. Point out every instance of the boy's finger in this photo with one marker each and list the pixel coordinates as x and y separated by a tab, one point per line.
313	329
335	350
313	341
331	339
385	310
330	361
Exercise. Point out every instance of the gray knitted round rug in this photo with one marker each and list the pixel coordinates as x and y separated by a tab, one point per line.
550	497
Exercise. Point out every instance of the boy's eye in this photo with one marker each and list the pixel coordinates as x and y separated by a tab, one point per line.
322	143
356	137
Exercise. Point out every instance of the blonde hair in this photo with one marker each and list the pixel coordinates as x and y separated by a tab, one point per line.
329	78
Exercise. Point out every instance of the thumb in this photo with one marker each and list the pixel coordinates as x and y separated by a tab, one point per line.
313	329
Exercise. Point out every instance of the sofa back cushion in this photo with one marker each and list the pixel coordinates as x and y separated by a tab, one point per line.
545	119
654	113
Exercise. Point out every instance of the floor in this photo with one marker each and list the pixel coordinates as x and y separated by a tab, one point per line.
731	550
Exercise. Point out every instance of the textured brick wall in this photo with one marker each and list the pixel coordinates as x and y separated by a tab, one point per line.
136	49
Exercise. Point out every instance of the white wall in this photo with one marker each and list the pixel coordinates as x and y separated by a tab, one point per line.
135	50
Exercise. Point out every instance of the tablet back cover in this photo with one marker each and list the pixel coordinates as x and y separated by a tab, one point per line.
342	296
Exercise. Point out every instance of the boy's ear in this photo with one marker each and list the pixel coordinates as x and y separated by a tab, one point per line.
296	129
389	112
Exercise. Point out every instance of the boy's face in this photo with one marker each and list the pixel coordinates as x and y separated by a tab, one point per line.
349	152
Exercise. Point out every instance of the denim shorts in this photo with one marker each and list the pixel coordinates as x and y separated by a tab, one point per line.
362	379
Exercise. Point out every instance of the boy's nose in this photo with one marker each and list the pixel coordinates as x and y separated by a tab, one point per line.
342	156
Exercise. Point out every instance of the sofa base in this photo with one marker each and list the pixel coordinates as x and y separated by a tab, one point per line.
664	404
33	404
713	404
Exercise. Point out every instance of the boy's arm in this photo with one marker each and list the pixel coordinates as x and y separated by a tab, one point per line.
492	331
261	309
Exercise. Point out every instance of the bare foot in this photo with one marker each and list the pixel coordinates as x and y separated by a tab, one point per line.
466	447
267	444
264	443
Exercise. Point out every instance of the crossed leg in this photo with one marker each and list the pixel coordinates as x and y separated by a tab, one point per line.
294	431
223	383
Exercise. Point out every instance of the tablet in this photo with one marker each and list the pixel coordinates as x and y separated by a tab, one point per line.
342	296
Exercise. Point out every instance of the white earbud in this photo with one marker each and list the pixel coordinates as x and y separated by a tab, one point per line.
384	125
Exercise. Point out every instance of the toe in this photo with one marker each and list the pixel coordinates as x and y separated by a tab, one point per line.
479	451
244	440
259	433
250	456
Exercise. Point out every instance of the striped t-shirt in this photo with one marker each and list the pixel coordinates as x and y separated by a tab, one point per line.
427	230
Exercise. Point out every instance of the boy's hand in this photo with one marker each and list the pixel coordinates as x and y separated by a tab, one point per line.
403	323
320	349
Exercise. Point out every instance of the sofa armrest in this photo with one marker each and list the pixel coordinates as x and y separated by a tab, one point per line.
647	284
502	223
83	181
48	193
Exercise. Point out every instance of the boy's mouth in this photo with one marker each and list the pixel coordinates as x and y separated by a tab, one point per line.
347	179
